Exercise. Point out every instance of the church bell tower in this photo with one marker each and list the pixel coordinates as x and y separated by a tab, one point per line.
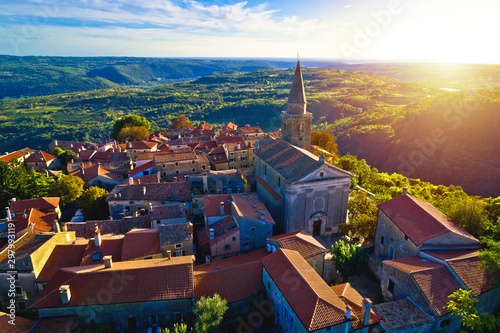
296	121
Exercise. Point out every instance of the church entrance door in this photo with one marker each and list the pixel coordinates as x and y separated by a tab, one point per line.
317	228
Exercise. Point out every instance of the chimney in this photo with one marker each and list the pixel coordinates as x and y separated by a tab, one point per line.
348	313
71	145
55	142
169	254
321	158
207	259
262	215
97	237
212	233
108	261
83	169
65	227
13	199
405	192
257	145
365	312
221	209
9	215
65	293
238	146
144	190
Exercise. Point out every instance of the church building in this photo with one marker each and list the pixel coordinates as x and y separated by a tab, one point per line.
301	190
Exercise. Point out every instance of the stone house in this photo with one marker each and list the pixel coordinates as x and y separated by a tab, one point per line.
254	221
308	247
128	294
216	207
239	155
407	225
171	164
168	214
44	204
133	148
228	129
18	155
303	302
126	200
217	158
220	239
41	161
32	252
402	316
176	238
250	132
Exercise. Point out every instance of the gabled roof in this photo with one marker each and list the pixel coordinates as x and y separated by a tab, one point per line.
85	155
43	221
147	179
203	145
40	156
355	301
110	246
312	300
175	191
401	314
248	205
234	279
176	233
144	167
144	281
63	255
165	212
19	154
26	245
249	130
44	203
222	229
301	242
101	156
419	220
433	279
98	171
291	162
229	139
211	204
297	92
141	145
140	243
22	325
174	157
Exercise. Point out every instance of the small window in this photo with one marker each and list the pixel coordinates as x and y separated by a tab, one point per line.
194	170
96	256
132	322
26	264
252	229
153	319
178	246
131	202
192	162
391	285
382	239
19	290
234	239
321	174
227	247
177	172
178	317
176	163
406	237
203	167
179	253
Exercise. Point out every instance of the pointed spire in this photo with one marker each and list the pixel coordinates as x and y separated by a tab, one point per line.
297	92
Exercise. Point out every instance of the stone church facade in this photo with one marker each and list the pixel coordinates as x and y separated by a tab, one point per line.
301	190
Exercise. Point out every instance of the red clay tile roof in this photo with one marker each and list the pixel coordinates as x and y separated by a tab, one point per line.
97	170
312	300
203	145
250	130
229	139
211	204
40	156
175	157
301	242
420	220
140	243
165	212
101	156
43	221
45	203
269	189
22	325
354	300
433	279
148	179
234	279
109	247
142	281
222	229
84	155
141	145
107	227
243	204
63	255
143	167
14	155
400	314
60	324
174	191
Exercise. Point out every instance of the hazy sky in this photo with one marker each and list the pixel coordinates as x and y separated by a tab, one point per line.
429	30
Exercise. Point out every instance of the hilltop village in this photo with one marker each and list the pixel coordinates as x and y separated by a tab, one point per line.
248	215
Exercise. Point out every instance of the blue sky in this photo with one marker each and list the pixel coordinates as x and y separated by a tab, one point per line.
427	30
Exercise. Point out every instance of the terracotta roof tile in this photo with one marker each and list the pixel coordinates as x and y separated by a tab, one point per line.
43	221
174	191
143	167
140	243
211	204
85	155
109	247
420	220
40	156
19	154
412	264
229	139
174	157
101	156
60	324
203	145
301	242
22	325
145	281
401	314
176	233
165	212
97	170
148	179
312	300
45	203
26	244
222	229
141	145
248	205
355	301
269	189
250	130
63	255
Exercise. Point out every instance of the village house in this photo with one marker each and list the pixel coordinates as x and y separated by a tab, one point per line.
169	164
220	239
145	169
303	302
228	129
128	294
239	155
168	214
251	132
18	155
133	148
176	239
127	200
44	204
41	161
216	207
217	158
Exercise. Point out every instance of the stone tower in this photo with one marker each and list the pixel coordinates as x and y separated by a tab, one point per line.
296	121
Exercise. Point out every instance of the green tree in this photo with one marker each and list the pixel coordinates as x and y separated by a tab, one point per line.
181	122
93	201
130	121
56	151
208	313
326	141
462	304
470	214
66	156
349	258
134	133
362	216
68	188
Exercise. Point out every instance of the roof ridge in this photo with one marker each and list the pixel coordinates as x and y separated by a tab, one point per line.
50	293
